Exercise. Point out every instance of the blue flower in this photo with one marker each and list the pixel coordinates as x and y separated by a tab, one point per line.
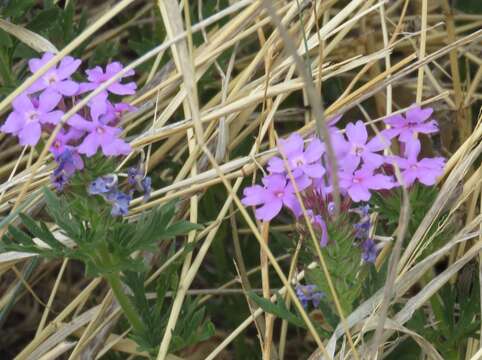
362	230
307	293
59	180
69	161
120	203
146	187
134	176
103	185
370	251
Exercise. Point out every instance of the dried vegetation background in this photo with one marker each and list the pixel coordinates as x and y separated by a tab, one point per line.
227	79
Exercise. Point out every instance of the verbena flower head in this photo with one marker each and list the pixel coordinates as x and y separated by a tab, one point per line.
416	120
426	170
28	115
300	161
358	183
56	79
362	148
97	76
307	293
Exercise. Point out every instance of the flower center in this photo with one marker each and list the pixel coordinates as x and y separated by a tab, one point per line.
51	78
298	161
32	116
357	180
358	150
279	194
100	130
413	167
57	144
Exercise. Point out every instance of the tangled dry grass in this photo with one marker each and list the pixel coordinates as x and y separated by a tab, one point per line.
385	55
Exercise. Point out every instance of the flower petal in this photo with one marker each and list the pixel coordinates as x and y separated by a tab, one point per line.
52	117
123	89
30	134
293	144
358	193
48	100
357	133
90	145
67	67
314	150
14	123
66	87
269	210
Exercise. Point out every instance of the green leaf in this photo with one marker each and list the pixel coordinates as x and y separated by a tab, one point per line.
279	309
17	8
5	39
42	232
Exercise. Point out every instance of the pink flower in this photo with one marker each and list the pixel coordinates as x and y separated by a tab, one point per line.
29	114
61	142
358	183
416	120
426	170
301	162
361	148
97	76
275	193
99	135
56	79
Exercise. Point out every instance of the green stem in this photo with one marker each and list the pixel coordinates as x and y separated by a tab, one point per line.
125	303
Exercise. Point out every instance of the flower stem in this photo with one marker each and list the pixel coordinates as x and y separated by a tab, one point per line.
125	303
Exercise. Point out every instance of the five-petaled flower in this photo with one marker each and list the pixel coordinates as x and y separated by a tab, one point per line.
56	79
300	161
99	134
28	115
275	193
426	170
362	148
416	120
358	183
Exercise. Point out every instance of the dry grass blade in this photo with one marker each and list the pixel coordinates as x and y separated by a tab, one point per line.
30	38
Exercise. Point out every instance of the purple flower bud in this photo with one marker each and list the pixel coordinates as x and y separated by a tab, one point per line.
370	251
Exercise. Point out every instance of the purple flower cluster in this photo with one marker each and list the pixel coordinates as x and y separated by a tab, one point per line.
362	168
107	186
41	107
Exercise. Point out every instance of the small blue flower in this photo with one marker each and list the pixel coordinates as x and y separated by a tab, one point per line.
120	203
134	176
103	185
362	230
307	293
69	161
146	187
370	251
59	180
